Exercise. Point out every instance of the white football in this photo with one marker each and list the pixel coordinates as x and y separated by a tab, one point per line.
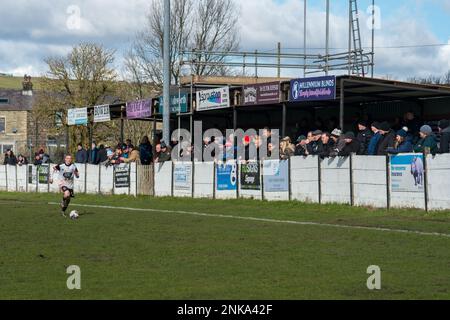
74	215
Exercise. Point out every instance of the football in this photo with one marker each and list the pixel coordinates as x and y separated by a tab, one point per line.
74	215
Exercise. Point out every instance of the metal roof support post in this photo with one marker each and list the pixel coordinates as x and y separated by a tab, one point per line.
283	126
341	109
167	78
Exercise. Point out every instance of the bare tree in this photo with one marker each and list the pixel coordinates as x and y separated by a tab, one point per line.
195	24
85	77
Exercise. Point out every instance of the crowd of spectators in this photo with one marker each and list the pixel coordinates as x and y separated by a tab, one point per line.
370	138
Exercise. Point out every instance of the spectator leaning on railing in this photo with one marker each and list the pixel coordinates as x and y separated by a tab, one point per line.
352	145
387	140
403	143
133	155
427	143
10	158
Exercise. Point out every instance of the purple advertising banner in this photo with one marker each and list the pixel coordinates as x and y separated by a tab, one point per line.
139	109
262	93
313	89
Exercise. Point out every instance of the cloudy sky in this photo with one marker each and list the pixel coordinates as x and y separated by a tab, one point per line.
413	38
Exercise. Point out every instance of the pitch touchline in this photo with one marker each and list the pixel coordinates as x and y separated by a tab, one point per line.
301	223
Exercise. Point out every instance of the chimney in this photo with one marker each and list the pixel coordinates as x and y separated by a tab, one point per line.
27	86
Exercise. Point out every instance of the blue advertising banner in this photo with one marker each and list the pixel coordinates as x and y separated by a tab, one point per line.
226	177
313	89
276	176
407	173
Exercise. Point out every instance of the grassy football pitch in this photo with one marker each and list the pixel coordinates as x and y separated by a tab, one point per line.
204	249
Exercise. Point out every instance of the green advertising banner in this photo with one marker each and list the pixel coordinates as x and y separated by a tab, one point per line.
178	103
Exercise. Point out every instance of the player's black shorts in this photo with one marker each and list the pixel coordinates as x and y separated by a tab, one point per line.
72	194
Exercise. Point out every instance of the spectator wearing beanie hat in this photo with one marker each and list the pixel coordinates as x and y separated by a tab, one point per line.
444	130
372	149
427	143
402	143
364	136
388	139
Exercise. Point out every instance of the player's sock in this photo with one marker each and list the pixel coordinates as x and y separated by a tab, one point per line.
65	204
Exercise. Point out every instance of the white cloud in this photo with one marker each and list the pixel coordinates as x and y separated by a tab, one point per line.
35	29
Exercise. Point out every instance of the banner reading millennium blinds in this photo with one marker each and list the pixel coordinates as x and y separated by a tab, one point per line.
141	109
213	99
77	117
263	93
313	89
178	104
407	173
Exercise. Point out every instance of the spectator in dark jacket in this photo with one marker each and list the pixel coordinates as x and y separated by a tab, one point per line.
163	153
412	123
21	160
444	130
102	154
375	140
364	136
93	154
315	146
352	145
10	158
37	159
301	149
427	143
146	151
387	140
327	145
403	143
81	155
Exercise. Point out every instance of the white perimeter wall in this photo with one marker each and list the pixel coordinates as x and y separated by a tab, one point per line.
335	180
438	182
204	180
369	181
305	179
163	179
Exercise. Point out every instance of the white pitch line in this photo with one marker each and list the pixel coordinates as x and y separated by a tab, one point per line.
301	223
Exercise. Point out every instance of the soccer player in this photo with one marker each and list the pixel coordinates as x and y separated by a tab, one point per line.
67	172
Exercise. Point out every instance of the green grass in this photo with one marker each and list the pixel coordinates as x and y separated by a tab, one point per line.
16	83
169	255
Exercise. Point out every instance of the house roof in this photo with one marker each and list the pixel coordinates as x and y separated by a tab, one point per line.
16	100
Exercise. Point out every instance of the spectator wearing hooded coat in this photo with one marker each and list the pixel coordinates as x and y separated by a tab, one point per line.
444	130
364	136
372	149
146	151
10	158
403	143
352	145
427	143
387	140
